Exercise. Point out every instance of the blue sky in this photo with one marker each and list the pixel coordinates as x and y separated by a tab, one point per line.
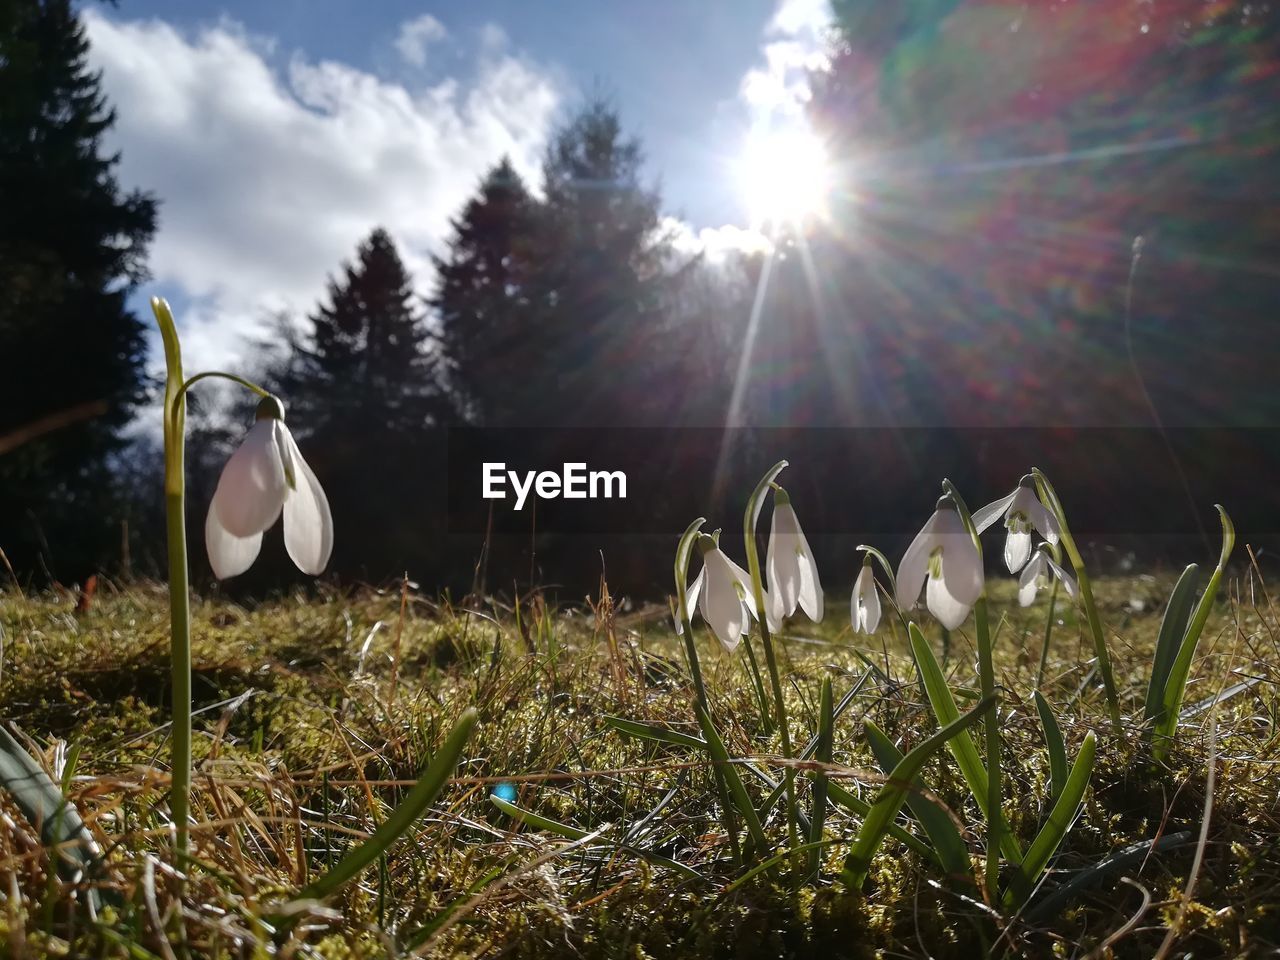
277	134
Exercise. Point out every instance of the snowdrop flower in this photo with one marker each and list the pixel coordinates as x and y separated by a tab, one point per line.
1022	512
864	607
792	574
722	594
1036	574
265	477
943	553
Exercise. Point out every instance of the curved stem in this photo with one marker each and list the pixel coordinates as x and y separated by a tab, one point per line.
181	393
179	585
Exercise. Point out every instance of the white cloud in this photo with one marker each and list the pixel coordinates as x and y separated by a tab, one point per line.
416	35
716	244
795	43
269	177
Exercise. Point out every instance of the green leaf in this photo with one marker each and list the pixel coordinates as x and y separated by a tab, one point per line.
961	746
70	845
1060	820
818	817
741	800
1172	629
539	822
420	797
894	793
651	731
938	825
846	798
1057	748
1176	685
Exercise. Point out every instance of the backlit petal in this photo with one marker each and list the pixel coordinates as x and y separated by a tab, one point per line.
691	600
950	611
1017	550
228	555
251	489
721	606
1029	581
1043	520
992	511
915	565
1068	581
308	524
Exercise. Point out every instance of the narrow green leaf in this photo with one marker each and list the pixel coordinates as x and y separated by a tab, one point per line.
651	731
1060	820
1176	685
894	793
539	822
741	800
1172	629
1056	747
818	817
961	746
839	794
938	825
420	797
70	844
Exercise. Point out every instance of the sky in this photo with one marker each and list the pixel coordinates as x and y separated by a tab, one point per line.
277	135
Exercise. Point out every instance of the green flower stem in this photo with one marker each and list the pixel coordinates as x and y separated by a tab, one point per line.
749	519
179	585
1048	634
987	682
188	384
1050	498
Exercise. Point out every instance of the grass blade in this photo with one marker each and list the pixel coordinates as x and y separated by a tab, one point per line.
948	844
961	746
741	800
817	819
1172	629
651	731
1057	748
894	793
415	803
1176	686
70	845
1060	819
839	794
539	822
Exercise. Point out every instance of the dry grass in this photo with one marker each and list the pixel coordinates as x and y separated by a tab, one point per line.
308	733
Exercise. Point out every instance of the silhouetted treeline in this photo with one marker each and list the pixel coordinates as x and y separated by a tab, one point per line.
1043	214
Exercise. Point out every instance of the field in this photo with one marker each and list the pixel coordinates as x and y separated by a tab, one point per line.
317	712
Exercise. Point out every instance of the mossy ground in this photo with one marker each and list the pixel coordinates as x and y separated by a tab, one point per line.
316	711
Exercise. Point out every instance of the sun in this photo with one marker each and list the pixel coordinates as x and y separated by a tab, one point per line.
784	176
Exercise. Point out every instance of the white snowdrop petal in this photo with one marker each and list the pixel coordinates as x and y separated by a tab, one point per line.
871	609
992	511
1068	581
1043	520
811	599
1027	583
691	600
1017	550
915	565
722	608
308	524
744	580
229	555
949	610
251	488
865	605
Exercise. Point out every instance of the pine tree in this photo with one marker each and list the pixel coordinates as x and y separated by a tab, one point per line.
601	280
72	246
481	297
367	363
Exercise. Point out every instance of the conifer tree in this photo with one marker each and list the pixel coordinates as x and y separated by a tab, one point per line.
72	246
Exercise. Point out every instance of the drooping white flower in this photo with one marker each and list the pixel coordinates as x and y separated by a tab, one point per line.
943	553
864	607
1022	512
722	594
792	574
265	477
1036	574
